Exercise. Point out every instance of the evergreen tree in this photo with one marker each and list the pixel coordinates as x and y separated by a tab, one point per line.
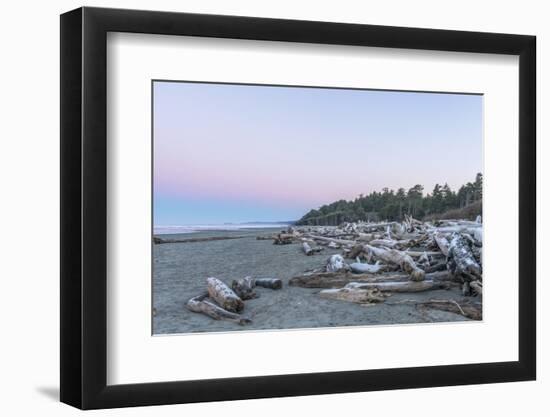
392	205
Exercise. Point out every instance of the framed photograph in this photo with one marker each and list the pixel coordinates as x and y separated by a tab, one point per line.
257	207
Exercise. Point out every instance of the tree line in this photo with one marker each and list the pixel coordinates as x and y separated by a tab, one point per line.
394	205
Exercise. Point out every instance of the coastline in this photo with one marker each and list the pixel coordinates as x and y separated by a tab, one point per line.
180	272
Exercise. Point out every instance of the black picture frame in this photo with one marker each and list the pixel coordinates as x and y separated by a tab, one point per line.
84	207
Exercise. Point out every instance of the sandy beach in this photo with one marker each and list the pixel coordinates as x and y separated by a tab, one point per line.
181	269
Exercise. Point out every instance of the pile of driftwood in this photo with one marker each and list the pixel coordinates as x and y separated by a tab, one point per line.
222	302
389	257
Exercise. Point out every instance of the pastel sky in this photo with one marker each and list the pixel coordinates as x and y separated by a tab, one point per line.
238	153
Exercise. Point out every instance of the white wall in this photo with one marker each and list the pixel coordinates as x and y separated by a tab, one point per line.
29	173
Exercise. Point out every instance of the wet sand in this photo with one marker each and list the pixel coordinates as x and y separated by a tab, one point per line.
180	271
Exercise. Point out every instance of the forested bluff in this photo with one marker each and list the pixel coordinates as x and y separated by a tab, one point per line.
392	205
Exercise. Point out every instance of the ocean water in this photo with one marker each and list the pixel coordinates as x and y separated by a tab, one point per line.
173	230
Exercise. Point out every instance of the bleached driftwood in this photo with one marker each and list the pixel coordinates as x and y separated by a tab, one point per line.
397	286
330	239
283	239
361	268
272	283
375	226
223	295
478	235
423	261
388	243
336	263
244	288
461	258
354	295
355	251
419	254
471	228
200	304
442	243
402	259
308	250
366	237
340	279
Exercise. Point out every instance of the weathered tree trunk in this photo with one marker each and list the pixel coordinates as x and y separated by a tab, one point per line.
354	295
283	239
462	261
397	286
223	295
442	243
244	288
402	259
336	263
200	304
273	283
419	254
340	279
330	239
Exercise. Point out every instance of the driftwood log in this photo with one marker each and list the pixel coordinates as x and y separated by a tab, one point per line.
273	283
160	241
330	239
354	295
336	263
397	286
461	259
389	243
340	279
244	288
308	250
283	239
200	304
404	260
361	268
223	295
